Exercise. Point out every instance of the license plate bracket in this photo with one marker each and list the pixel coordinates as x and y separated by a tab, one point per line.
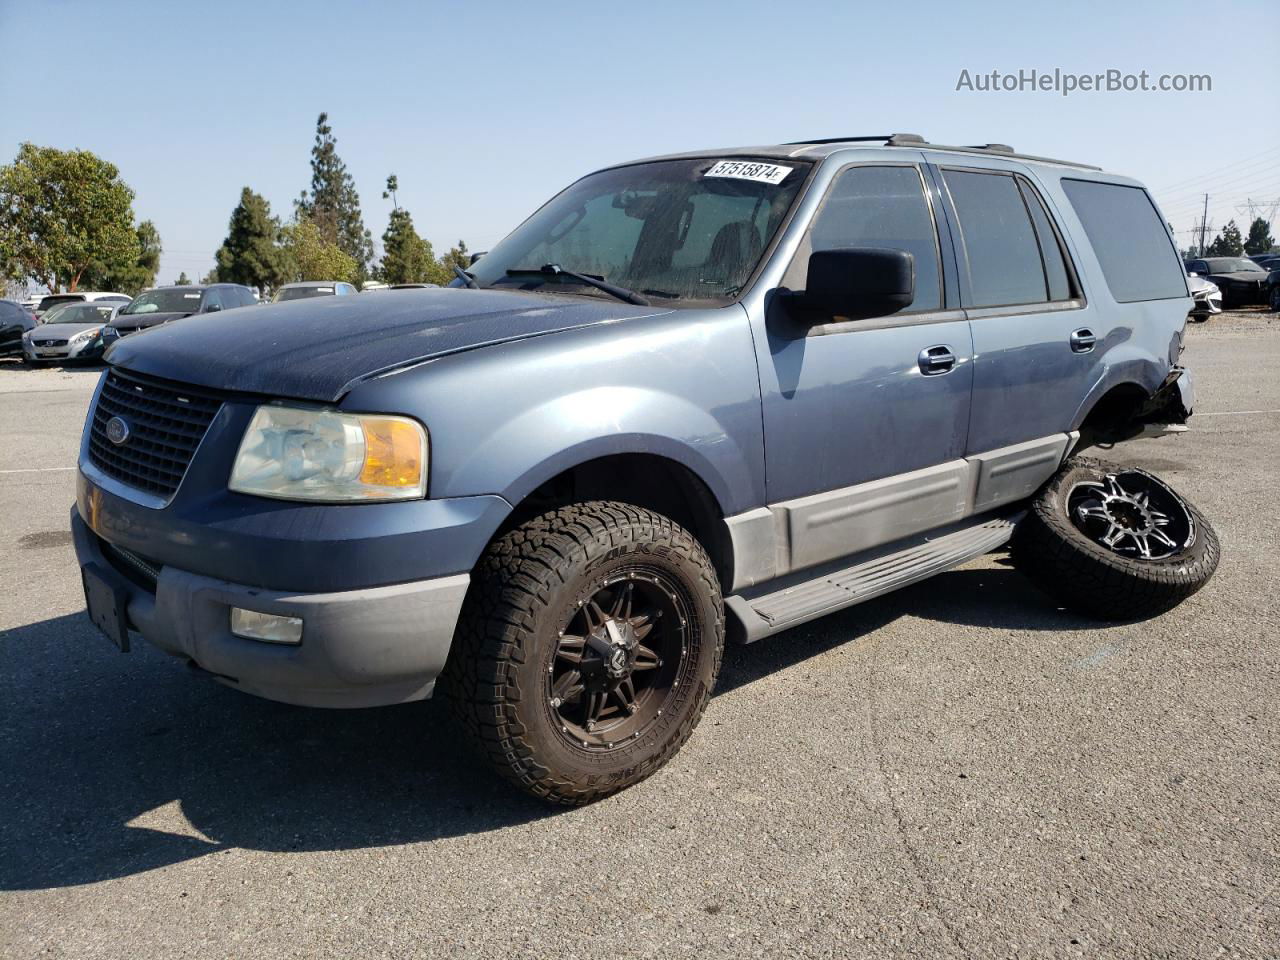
108	606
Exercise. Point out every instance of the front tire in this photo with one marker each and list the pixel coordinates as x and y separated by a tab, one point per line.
587	649
1114	542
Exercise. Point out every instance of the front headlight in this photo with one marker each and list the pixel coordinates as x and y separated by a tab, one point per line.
306	453
85	335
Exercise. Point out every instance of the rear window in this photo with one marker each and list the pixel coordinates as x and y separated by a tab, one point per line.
1129	239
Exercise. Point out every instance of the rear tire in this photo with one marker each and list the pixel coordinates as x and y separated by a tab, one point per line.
1062	544
587	650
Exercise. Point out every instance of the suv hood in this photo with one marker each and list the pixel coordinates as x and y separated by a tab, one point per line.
318	349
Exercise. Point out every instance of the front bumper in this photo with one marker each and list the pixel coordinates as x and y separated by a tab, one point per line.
85	350
359	648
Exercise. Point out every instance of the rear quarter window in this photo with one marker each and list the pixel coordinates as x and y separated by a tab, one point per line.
1129	239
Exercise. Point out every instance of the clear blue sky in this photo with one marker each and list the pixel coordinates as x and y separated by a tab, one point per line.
485	109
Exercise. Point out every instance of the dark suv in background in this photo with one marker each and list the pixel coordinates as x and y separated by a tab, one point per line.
164	304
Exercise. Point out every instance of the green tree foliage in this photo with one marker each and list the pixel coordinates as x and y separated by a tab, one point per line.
332	203
1259	239
210	277
251	254
1228	243
131	277
183	280
61	212
406	257
458	256
312	257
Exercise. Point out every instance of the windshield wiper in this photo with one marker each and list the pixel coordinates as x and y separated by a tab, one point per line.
465	277
555	270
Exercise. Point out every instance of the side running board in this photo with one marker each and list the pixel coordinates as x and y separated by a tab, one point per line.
771	609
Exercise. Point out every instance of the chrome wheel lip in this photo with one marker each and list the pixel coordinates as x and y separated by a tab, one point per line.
665	657
1146	520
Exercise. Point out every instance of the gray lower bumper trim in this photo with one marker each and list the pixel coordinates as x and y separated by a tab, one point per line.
359	648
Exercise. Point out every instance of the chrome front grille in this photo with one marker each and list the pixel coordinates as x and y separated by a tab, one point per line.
163	423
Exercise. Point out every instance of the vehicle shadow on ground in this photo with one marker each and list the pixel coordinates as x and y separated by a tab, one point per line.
113	765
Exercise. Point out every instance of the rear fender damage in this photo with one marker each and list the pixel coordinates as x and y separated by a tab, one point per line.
1126	417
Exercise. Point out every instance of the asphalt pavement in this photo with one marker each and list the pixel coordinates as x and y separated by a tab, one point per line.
956	770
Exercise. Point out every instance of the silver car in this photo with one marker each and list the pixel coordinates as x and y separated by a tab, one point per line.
73	332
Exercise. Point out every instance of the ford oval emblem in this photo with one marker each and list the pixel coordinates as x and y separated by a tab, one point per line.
117	430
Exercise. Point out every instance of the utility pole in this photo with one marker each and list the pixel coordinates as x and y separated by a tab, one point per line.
1204	220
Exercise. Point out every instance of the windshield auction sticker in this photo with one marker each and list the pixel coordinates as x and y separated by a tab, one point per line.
773	173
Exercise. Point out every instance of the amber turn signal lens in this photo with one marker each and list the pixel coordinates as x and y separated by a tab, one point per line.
393	452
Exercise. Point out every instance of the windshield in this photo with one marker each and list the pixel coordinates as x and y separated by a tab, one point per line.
1233	265
172	300
671	231
59	300
301	293
80	313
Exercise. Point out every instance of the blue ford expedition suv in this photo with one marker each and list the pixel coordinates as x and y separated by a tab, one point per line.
708	395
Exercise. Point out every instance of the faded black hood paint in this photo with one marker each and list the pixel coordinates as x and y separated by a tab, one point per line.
317	349
140	321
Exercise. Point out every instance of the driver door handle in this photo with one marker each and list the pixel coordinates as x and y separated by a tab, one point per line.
936	360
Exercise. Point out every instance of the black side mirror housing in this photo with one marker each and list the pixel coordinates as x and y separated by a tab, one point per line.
857	283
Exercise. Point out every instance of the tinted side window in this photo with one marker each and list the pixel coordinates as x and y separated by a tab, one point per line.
211	301
1051	252
1129	240
877	207
1004	258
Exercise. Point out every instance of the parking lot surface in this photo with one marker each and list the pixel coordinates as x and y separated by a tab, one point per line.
959	769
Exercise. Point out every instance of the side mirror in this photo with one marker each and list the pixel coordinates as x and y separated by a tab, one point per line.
859	282
213	308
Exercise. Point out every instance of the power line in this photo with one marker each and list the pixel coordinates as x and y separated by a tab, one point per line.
1178	184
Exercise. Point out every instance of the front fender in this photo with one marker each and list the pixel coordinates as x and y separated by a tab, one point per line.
504	419
602	421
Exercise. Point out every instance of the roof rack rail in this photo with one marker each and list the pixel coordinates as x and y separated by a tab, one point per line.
915	140
889	138
1004	150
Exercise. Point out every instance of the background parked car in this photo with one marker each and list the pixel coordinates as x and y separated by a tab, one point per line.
173	303
47	303
1273	288
1206	296
1240	279
312	288
74	332
15	320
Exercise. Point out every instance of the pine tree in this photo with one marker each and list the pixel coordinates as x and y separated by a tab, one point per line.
182	280
332	204
457	256
251	254
1260	239
1228	243
406	256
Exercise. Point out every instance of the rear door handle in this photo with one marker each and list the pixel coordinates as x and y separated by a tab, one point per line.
1083	340
936	360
